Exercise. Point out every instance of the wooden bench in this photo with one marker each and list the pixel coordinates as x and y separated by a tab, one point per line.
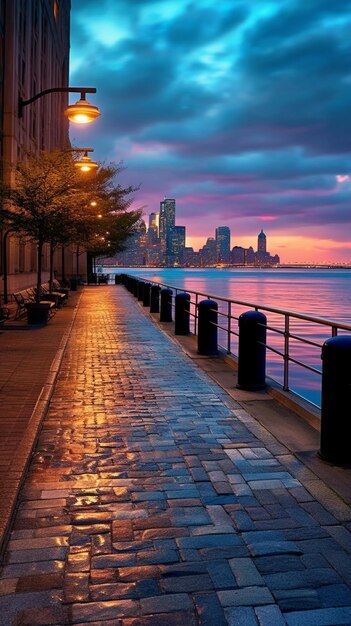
58	287
57	296
22	298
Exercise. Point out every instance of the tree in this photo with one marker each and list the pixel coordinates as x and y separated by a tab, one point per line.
107	222
51	201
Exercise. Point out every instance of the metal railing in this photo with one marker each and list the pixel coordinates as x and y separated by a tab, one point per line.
294	340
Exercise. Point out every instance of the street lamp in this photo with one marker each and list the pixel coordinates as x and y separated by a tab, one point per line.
82	112
85	163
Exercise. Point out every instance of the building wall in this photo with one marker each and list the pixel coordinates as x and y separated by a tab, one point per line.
36	57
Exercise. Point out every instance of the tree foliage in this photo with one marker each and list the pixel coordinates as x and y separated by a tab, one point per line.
52	201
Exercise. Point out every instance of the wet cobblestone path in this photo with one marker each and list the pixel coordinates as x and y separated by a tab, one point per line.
154	499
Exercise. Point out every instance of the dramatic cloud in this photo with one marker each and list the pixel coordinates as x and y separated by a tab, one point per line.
240	110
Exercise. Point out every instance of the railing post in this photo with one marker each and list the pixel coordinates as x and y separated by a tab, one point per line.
252	351
229	329
336	400
141	290
207	327
146	298
166	305
155	299
182	314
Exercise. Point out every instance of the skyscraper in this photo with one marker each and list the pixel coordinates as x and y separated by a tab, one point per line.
262	242
166	225
223	244
178	243
153	228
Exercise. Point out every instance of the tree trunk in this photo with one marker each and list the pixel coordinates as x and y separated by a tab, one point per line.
51	277
77	262
63	269
40	264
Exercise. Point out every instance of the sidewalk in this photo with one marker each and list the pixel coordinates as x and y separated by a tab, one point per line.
29	363
155	498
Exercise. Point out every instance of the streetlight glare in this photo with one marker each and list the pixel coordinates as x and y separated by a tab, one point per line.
86	164
82	112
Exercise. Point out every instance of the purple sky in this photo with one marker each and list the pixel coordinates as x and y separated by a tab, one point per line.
241	110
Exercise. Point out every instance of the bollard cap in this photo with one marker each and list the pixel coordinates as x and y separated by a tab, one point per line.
338	344
253	316
184	295
208	304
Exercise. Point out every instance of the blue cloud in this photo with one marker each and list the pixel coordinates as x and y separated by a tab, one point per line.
246	104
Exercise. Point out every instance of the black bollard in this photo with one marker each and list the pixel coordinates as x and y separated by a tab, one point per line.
155	299
336	400
166	305
182	314
141	290
252	351
135	288
207	327
118	279
146	298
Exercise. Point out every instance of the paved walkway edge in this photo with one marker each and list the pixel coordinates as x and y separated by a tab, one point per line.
30	438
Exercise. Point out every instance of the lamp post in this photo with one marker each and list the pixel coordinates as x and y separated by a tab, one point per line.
82	112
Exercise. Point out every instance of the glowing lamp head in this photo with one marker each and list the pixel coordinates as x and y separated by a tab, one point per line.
86	164
82	112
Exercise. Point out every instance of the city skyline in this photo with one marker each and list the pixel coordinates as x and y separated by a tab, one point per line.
223	107
160	242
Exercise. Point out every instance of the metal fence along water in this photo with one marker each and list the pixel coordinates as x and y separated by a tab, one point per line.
293	341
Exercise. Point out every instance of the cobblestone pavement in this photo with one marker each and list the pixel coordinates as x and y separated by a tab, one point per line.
154	499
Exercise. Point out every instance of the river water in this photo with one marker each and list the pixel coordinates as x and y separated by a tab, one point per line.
316	292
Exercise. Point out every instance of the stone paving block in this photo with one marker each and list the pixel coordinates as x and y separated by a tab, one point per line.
279	563
209	610
302	579
209	541
334	595
33	556
245	572
297	599
186	584
76	587
244	616
247	596
39	583
92	611
48	616
242	520
32	569
341	535
341	563
155	557
320	617
270	615
221	574
166	603
262	548
162	619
